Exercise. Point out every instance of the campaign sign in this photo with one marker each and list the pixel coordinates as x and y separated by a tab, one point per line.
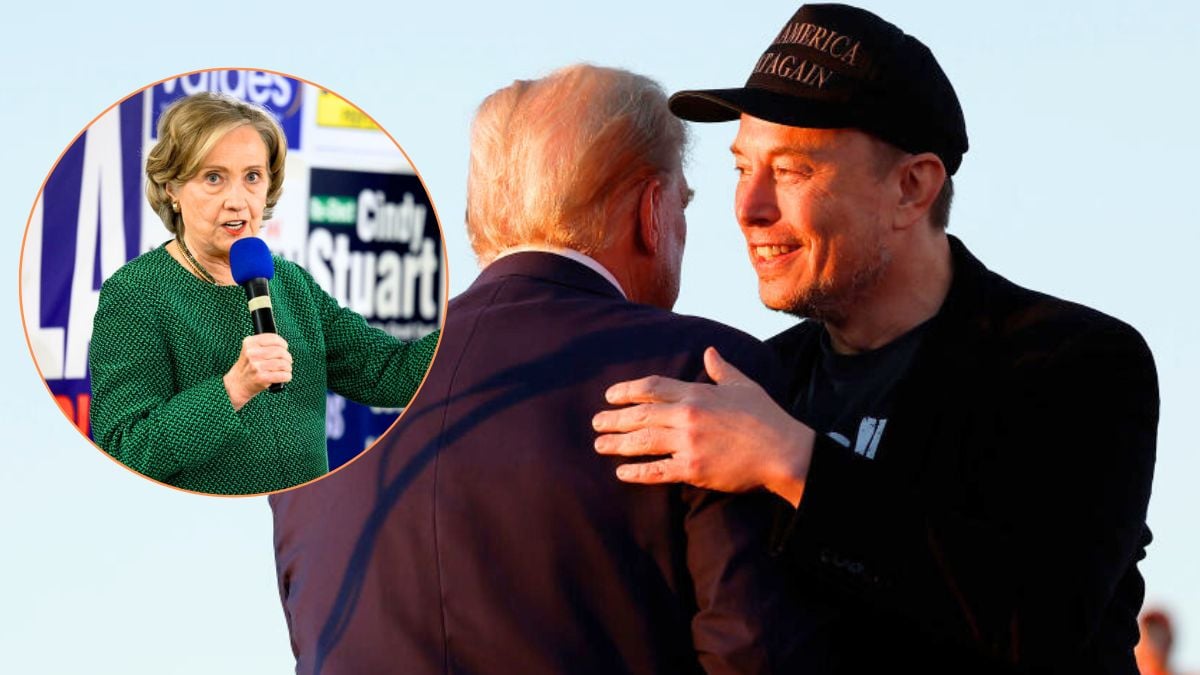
85	225
374	244
281	95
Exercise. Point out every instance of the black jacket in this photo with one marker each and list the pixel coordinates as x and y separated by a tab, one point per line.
999	526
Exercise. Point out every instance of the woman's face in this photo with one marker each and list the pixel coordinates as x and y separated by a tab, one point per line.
224	201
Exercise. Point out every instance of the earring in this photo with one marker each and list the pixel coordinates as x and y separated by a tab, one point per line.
175	207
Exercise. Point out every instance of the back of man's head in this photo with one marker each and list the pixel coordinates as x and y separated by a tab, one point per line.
554	160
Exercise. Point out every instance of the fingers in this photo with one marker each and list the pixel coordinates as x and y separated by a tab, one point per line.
266	360
267	346
658	389
651	441
636	417
650	473
653	389
264	340
720	370
266	373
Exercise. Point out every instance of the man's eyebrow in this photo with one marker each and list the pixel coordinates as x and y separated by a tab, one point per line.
793	150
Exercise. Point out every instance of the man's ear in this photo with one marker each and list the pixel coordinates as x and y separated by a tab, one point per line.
647	235
921	179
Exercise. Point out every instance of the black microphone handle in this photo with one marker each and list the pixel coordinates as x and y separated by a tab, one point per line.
262	318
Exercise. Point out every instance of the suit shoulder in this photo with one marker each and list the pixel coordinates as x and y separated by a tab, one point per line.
1035	343
697	328
789	341
1021	316
691	332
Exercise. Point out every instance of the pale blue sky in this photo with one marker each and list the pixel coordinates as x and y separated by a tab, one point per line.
1080	182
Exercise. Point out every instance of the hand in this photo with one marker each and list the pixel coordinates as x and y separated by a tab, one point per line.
730	436
264	361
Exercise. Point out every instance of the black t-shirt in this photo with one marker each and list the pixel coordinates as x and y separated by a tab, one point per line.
849	396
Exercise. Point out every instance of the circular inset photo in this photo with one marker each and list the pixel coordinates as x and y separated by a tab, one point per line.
232	281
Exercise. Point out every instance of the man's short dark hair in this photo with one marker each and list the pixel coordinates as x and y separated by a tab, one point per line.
887	155
939	211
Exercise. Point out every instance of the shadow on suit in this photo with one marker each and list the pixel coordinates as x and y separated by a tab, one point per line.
485	535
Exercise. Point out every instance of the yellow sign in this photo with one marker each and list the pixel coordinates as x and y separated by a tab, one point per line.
334	111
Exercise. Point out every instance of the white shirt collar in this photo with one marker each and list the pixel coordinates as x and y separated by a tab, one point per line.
572	254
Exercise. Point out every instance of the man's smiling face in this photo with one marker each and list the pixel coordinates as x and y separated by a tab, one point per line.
814	206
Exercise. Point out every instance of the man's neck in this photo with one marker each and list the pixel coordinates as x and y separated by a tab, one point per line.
909	294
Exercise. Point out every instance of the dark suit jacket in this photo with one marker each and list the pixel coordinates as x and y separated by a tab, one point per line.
484	534
999	527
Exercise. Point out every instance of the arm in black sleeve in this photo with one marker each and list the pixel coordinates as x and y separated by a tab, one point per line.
745	622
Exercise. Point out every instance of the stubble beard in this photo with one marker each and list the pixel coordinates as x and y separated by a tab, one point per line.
831	301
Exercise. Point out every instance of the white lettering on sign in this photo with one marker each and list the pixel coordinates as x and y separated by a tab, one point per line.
100	222
256	86
381	220
379	286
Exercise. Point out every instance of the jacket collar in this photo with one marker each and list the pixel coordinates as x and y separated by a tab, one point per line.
946	366
548	267
966	302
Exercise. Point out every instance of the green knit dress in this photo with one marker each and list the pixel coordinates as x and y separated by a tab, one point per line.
162	341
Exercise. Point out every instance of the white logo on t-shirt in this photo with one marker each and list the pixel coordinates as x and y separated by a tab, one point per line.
870	431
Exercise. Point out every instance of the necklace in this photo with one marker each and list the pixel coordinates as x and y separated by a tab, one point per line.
196	266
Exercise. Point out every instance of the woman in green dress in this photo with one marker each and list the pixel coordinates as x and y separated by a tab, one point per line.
179	383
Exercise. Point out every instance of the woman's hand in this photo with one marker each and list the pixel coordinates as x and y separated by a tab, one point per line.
264	361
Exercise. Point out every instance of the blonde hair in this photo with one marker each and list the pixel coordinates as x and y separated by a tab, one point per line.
187	132
553	159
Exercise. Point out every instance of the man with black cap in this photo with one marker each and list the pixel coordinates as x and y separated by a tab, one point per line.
967	463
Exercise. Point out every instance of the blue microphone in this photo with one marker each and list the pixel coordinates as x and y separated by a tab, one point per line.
252	267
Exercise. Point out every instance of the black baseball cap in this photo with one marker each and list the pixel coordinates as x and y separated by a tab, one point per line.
836	66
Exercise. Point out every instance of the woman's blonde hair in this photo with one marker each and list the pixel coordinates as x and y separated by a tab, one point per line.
187	132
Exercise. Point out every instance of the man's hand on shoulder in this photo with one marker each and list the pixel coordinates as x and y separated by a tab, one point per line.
729	436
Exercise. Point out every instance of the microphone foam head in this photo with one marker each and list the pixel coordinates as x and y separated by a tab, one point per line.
249	258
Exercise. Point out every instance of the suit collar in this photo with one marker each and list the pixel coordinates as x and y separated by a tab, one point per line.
549	267
581	258
951	359
966	297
